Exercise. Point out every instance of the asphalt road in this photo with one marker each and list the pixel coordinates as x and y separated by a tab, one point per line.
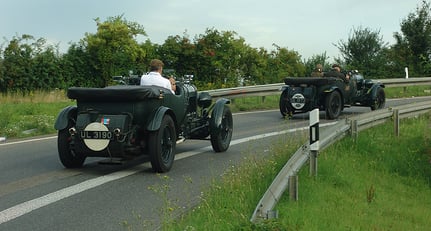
38	193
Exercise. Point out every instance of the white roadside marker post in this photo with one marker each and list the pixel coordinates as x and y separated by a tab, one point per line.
314	141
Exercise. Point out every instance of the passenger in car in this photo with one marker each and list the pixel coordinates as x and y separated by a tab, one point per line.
173	83
318	71
155	78
336	72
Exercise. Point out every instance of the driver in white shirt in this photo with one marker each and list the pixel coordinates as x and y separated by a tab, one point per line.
155	78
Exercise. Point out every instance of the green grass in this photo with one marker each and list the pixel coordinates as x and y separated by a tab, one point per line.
30	115
403	92
255	103
228	203
378	182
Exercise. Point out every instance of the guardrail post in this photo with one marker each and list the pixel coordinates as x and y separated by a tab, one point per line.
272	214
354	129
313	163
293	187
396	122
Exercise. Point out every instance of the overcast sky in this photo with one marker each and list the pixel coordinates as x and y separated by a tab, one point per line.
309	27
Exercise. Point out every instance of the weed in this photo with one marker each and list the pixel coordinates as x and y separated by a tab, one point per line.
371	194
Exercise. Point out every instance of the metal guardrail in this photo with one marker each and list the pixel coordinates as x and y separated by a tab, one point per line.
349	126
352	125
272	89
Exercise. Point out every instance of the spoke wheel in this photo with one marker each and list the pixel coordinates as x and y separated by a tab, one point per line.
162	146
221	136
68	157
333	105
380	100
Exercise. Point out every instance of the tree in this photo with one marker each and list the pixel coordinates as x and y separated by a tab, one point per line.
17	64
75	69
46	72
413	44
253	65
219	55
282	63
179	53
29	64
113	47
364	51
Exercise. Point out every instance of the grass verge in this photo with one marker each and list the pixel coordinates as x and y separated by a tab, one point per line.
403	92
376	182
30	115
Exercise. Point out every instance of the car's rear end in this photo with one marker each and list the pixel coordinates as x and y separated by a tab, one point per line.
107	122
299	94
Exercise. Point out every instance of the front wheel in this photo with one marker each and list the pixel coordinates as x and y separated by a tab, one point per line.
222	135
162	146
333	105
68	157
380	100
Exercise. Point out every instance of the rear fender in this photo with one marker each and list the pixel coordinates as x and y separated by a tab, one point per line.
157	117
217	113
282	88
332	89
64	117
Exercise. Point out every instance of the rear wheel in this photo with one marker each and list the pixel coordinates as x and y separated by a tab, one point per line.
333	105
162	146
68	157
284	104
221	136
380	100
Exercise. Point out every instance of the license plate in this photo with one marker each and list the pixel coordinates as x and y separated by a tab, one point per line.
100	135
298	100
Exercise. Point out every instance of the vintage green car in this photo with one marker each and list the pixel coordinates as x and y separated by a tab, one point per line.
127	121
331	94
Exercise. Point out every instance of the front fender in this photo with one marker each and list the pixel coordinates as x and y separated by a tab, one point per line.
217	113
373	90
157	117
64	117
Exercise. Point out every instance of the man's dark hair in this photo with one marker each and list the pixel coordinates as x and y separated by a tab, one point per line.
156	65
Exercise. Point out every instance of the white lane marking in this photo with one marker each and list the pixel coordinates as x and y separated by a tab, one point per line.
28	206
28	141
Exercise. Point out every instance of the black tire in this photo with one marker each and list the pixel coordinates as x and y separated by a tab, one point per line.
221	137
68	157
162	146
284	105
333	105
379	101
